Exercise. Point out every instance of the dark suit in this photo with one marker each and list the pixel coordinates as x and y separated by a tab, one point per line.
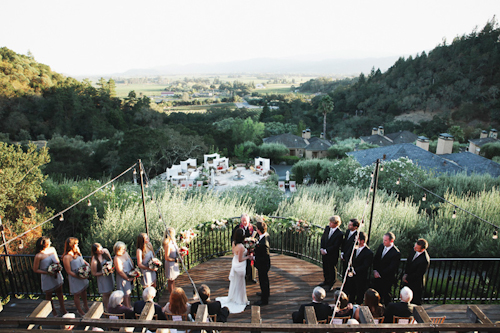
356	286
400	309
248	233
214	308
139	306
331	258
263	264
387	268
415	270
322	311
347	247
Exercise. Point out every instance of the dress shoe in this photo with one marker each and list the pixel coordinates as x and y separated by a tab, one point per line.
261	303
252	281
322	284
258	293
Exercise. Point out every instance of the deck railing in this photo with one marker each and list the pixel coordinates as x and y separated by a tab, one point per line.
448	279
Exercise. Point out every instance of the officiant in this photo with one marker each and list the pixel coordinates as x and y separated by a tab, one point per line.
249	231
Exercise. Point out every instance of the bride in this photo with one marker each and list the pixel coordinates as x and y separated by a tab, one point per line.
236	300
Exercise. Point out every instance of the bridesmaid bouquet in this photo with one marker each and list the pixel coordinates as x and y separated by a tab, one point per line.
107	268
135	273
154	263
183	251
54	268
83	271
249	244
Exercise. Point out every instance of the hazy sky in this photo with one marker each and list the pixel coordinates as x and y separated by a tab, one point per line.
108	36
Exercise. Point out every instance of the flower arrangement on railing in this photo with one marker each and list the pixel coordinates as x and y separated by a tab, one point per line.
273	224
186	236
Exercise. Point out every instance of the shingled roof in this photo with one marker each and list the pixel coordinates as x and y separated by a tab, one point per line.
390	139
288	139
316	143
483	141
448	163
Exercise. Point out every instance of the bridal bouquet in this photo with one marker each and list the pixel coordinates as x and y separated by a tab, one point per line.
154	263
135	273
107	268
83	271
249	244
54	268
183	251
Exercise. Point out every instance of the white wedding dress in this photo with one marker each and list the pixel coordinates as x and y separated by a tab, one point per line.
236	300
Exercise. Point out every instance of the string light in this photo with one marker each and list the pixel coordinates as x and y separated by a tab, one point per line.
112	187
398	181
89	203
371	189
495	234
382	167
454	216
21	244
61	218
135	172
424	198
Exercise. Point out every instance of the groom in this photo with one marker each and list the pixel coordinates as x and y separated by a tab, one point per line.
263	262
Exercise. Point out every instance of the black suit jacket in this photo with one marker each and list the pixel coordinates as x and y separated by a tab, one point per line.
322	310
362	262
214	308
388	265
247	231
400	309
332	244
416	269
348	244
262	258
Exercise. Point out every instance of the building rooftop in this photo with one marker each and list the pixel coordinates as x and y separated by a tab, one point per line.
288	139
390	139
447	163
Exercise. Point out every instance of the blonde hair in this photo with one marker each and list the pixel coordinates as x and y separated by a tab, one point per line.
119	245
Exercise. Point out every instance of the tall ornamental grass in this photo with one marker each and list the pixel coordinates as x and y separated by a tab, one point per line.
180	209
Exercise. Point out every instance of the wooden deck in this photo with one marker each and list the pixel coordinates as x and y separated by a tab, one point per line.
292	281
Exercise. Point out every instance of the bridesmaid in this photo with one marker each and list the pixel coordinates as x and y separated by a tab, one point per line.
44	257
72	260
106	284
123	265
171	258
144	254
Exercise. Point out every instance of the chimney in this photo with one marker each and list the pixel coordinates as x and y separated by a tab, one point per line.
445	144
493	133
374	131
306	134
484	134
423	143
303	134
381	130
322	135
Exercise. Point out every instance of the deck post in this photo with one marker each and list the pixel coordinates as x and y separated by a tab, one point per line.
475	315
42	311
311	315
365	315
256	319
95	312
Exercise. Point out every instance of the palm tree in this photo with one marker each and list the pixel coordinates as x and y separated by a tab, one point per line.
326	105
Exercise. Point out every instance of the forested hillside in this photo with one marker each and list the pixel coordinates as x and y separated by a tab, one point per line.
462	77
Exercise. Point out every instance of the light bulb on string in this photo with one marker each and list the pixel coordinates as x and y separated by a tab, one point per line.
112	187
21	244
371	189
382	167
398	181
61	218
495	234
146	185
424	198
372	174
350	273
89	203
454	216
135	172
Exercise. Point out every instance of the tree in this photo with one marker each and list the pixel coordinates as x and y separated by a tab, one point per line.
20	188
325	106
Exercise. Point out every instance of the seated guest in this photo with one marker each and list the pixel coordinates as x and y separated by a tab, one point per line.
148	295
214	308
344	308
115	305
372	301
400	309
321	309
178	303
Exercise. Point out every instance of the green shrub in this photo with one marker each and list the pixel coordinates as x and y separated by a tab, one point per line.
289	160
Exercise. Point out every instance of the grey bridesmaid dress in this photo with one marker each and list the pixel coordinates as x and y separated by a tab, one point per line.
77	285
50	282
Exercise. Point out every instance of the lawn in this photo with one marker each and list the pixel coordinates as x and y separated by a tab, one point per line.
146	89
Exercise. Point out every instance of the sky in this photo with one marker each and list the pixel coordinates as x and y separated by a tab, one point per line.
107	36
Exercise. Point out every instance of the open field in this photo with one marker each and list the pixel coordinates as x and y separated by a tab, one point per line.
198	108
122	90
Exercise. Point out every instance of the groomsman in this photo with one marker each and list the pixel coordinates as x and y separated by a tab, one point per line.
417	265
249	231
263	262
347	246
385	266
330	245
357	284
